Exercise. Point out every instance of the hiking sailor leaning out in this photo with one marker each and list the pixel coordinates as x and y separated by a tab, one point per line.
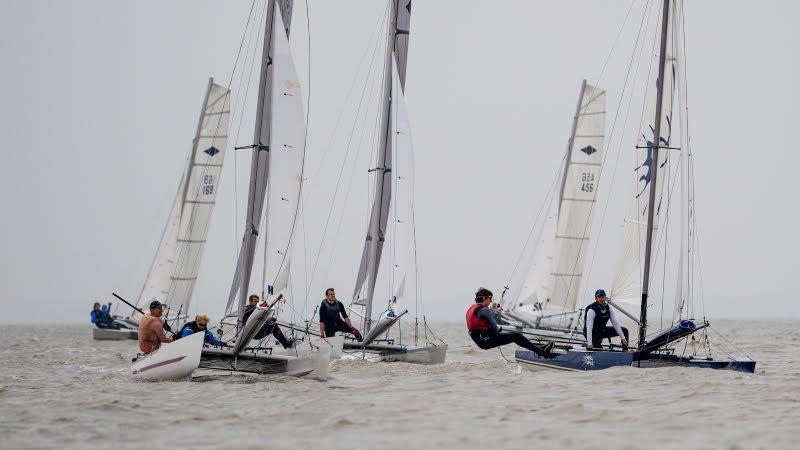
198	325
483	329
151	329
330	321
271	327
597	316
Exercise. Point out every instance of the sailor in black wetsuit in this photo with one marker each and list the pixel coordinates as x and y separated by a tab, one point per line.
595	326
270	327
483	328
331	313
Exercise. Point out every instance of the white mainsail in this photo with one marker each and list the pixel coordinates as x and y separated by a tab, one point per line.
177	262
554	278
277	162
395	62
626	288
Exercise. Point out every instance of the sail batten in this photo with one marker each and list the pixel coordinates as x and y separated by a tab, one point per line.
177	262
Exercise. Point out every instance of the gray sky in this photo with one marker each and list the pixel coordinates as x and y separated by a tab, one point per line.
101	100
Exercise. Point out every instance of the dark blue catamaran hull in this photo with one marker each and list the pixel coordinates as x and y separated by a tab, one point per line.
580	360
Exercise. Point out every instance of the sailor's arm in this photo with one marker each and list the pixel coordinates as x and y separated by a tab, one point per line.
589	326
489	316
615	324
162	337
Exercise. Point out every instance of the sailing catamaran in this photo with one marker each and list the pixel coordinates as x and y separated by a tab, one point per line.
276	180
392	199
684	341
174	269
546	300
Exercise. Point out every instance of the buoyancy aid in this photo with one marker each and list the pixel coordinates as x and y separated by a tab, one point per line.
192	326
475	323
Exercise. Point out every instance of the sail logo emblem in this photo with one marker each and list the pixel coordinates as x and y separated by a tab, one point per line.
211	151
648	161
589	150
588	361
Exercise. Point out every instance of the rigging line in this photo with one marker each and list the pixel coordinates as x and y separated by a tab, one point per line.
621	133
360	147
605	157
235	155
347	96
351	178
305	142
181	254
614	45
254	31
548	200
338	181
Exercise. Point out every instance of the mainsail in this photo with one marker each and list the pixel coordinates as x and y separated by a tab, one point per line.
277	164
627	288
177	262
553	281
395	61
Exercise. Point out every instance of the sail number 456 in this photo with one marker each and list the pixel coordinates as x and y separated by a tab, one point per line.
587	182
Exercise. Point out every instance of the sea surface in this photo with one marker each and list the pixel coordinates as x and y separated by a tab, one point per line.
59	388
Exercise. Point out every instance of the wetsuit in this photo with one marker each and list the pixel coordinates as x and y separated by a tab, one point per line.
191	327
483	329
271	327
332	317
594	327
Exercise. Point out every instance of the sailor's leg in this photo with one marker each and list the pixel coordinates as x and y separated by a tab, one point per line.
265	331
345	328
485	340
276	331
625	332
597	338
522	341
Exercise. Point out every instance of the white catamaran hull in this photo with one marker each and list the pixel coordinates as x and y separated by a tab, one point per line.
313	365
432	354
173	361
106	334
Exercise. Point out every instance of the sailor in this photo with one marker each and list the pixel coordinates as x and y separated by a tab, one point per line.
199	324
102	318
597	316
483	328
270	327
330	321
151	329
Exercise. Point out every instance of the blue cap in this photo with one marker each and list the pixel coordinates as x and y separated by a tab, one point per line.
599	293
155	304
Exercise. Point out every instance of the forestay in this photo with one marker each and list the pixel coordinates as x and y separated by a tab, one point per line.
175	267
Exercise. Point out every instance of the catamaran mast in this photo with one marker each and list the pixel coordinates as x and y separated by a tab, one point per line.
397	49
662	56
259	165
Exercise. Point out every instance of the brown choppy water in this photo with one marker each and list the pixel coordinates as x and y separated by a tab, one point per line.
60	388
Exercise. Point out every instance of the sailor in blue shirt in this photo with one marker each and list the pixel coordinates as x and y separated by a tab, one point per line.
198	325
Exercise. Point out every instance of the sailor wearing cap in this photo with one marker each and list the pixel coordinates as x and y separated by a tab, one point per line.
597	316
151	330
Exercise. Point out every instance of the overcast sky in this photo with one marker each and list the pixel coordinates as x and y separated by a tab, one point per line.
100	102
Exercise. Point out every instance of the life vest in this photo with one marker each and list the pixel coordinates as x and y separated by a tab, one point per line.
601	317
475	323
190	325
